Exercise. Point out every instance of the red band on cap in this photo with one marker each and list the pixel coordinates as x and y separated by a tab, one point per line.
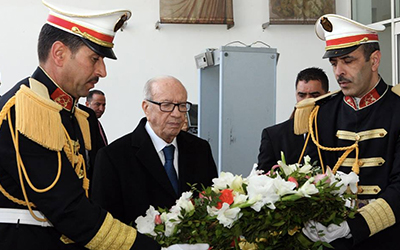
351	39
69	25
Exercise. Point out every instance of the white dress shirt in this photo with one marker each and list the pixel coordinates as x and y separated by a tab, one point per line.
159	144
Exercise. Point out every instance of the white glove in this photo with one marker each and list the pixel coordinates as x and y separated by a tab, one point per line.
188	247
315	231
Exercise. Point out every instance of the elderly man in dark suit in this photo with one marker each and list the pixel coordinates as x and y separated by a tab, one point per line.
133	172
310	83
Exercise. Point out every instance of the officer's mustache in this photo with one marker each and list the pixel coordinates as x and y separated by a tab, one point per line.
94	79
342	79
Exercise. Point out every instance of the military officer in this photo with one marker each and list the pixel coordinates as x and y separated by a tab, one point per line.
362	119
43	136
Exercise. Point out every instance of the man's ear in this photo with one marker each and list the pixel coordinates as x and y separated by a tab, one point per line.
145	106
58	52
375	60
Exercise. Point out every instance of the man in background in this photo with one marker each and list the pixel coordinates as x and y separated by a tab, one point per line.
96	100
310	83
95	107
155	163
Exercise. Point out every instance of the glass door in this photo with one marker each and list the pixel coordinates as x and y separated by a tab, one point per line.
383	12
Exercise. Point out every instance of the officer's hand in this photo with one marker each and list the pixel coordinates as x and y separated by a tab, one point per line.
315	231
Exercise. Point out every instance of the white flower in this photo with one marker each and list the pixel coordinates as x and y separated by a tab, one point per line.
146	225
224	180
185	201
284	187
332	178
239	199
225	215
170	220
308	188
262	191
307	160
255	171
306	168
237	184
287	169
346	180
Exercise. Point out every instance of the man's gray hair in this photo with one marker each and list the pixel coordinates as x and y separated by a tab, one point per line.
148	87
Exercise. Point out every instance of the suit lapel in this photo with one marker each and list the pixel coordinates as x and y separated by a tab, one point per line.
149	158
298	141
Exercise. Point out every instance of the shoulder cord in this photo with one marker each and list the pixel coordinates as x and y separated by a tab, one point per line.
21	168
348	149
319	150
3	114
80	167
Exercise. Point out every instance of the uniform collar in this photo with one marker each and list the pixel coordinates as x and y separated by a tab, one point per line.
368	99
65	100
57	94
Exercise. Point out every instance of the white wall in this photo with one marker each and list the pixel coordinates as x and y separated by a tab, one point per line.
144	52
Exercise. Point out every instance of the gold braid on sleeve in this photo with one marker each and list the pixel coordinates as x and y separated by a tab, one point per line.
113	235
378	215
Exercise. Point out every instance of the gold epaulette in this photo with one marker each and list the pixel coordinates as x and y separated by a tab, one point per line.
38	117
82	116
303	111
396	89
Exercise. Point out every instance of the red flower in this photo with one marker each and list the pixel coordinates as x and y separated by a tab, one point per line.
225	197
157	220
202	195
292	179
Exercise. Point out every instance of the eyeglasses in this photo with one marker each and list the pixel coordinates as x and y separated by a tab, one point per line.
169	106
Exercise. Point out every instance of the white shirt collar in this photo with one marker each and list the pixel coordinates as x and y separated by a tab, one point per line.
158	143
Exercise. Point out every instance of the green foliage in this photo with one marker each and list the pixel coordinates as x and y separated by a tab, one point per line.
273	227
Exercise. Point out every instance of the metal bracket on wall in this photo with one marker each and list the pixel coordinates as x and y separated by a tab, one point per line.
157	26
265	25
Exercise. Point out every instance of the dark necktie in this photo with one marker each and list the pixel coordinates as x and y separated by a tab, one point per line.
169	167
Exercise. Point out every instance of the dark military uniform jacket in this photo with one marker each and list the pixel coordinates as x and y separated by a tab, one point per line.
96	139
375	123
65	205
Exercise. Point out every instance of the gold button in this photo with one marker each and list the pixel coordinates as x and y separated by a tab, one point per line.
360	190
357	137
360	163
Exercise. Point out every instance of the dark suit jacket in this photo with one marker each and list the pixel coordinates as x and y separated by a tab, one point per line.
281	137
95	137
129	175
103	141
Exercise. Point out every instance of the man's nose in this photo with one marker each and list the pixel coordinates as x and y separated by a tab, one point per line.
101	68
